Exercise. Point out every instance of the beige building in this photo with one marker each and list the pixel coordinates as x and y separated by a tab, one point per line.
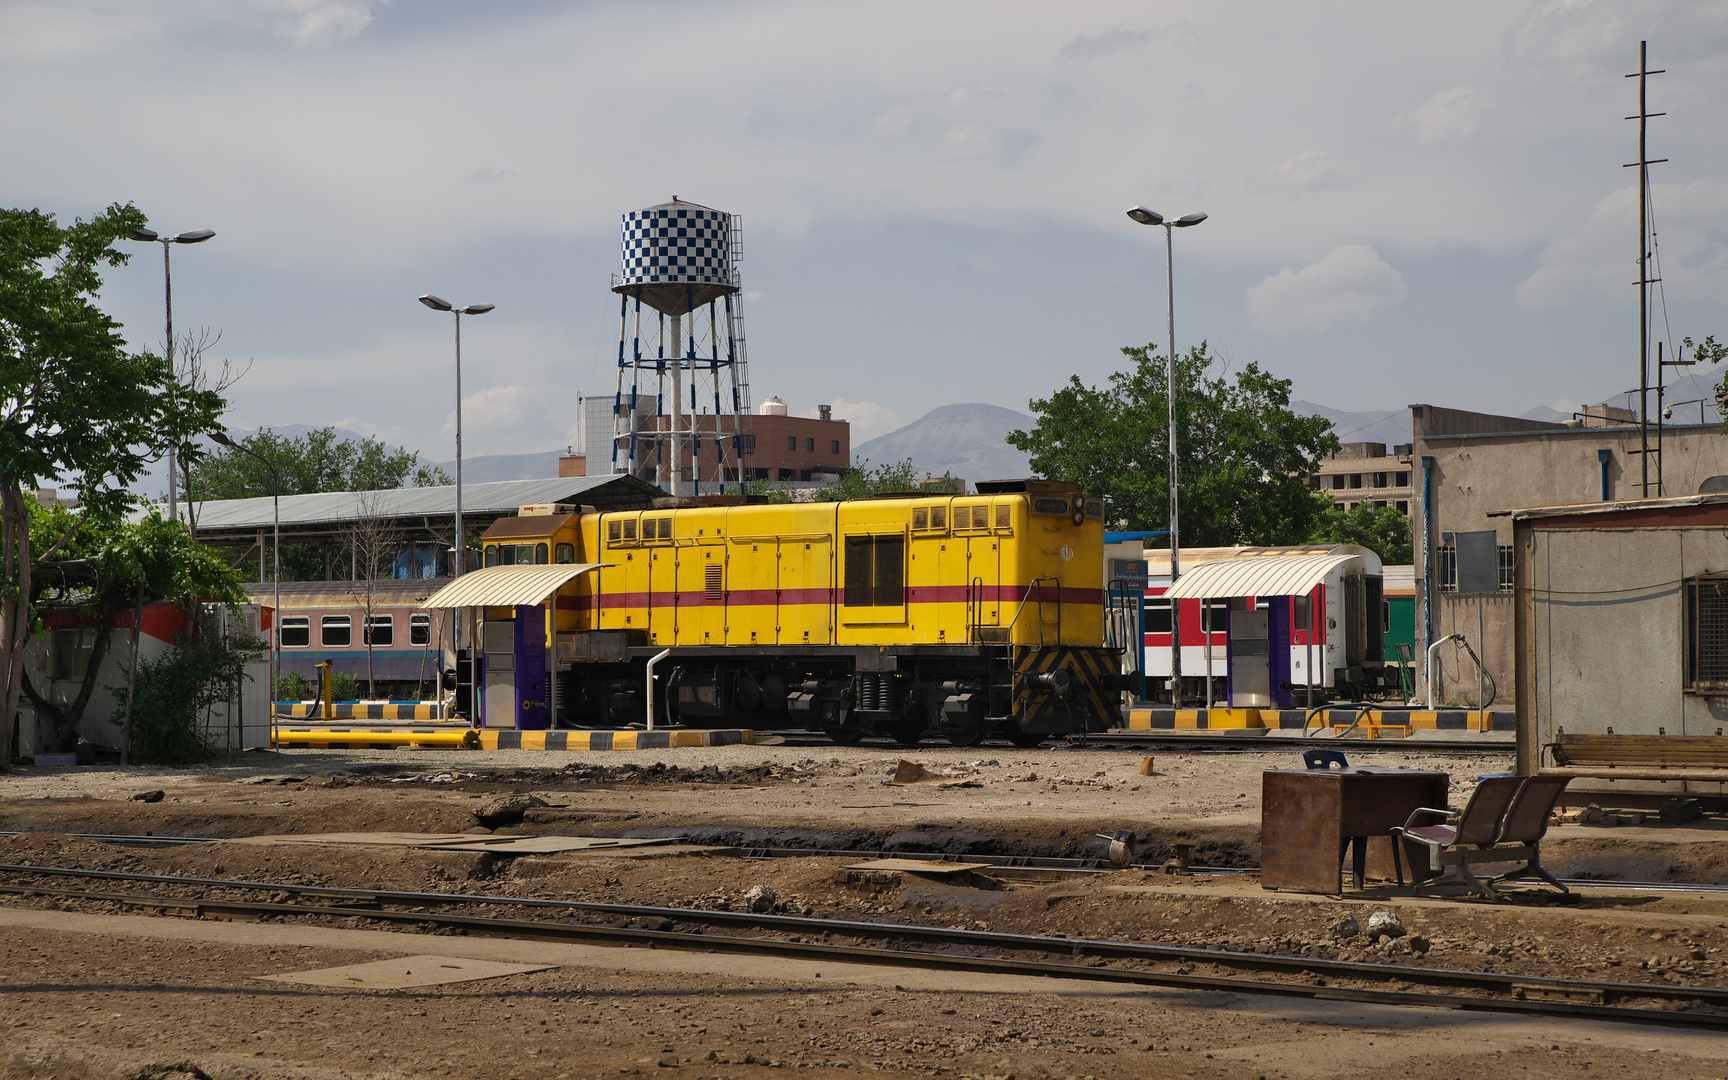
1470	470
1364	472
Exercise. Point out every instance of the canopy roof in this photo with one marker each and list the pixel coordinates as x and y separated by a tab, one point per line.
508	586
1274	575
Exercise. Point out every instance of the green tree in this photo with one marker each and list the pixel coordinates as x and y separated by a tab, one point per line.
314	462
896	478
75	406
1243	458
1380	529
106	565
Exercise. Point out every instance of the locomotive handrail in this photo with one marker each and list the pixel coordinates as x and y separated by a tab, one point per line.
1037	583
1126	594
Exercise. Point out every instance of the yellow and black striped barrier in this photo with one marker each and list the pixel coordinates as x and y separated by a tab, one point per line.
362	710
1373	720
333	738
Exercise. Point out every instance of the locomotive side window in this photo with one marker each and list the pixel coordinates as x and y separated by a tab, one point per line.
378	630
296	631
540	554
336	631
875	571
420	628
491	554
566	553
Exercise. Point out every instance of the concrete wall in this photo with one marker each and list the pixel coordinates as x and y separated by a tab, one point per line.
1484	466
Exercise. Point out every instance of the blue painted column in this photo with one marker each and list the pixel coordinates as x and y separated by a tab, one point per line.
531	668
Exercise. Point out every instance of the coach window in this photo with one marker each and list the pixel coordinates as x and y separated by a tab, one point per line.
378	630
565	553
336	631
1299	613
875	571
1155	618
419	629
296	631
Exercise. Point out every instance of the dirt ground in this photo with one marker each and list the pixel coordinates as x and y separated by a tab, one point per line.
92	993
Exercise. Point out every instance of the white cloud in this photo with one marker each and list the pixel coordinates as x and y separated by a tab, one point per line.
1598	258
868	419
1311	170
1449	114
1351	283
319	22
1088	47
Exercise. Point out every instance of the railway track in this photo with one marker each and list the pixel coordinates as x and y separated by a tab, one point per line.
927	947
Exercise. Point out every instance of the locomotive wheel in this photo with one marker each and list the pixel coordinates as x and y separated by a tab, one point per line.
972	736
1025	740
844	735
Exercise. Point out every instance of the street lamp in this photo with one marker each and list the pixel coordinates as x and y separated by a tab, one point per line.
196	236
276	573
436	304
1153	217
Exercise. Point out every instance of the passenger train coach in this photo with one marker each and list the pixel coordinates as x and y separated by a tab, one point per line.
1276	627
359	626
962	616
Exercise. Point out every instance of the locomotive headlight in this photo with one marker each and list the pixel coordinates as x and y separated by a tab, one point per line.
1079	515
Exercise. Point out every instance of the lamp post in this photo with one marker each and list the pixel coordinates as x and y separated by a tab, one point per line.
276	571
1152	217
196	236
472	309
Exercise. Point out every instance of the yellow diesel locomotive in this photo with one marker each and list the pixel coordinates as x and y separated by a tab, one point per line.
901	616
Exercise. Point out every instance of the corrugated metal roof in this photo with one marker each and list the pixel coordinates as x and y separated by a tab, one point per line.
508	586
334	507
1284	575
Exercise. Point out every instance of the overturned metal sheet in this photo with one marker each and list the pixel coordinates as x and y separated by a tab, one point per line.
367	839
543	845
919	866
406	971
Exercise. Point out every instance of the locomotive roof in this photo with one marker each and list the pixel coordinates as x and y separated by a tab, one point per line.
540	525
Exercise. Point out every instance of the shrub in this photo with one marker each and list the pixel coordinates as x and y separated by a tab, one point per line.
175	691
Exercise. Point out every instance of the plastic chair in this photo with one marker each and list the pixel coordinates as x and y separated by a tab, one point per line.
1504	821
1324	759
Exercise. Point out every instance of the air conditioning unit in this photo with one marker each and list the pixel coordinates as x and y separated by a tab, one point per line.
546	509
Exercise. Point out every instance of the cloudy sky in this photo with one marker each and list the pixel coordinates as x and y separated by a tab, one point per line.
1409	202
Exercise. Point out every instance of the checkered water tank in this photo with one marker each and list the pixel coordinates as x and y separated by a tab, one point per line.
677	243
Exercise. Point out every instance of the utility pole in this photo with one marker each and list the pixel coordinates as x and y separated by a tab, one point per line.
1644	279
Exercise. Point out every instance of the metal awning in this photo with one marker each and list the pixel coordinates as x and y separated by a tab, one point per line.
1267	575
508	586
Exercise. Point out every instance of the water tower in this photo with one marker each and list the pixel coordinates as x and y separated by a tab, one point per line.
680	415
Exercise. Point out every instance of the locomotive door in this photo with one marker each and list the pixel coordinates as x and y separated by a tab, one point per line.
701	580
805	601
984	566
660	611
753	599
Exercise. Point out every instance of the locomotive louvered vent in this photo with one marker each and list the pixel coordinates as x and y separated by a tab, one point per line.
713	583
1002	513
981	517
630	530
938	517
920	518
666	528
614	529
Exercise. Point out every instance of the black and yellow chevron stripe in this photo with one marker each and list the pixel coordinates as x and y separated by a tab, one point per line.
1092	708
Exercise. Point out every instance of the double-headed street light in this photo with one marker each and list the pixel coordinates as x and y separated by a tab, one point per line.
276	574
196	236
1153	217
436	304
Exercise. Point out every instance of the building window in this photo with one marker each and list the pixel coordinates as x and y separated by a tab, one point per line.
419	629
1448	568
1335	506
1337	481
1707	635
1379	479
336	631
1505	552
875	571
296	631
1355	479
792	443
810	446
1403	479
836	448
1380	504
378	630
1403	508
